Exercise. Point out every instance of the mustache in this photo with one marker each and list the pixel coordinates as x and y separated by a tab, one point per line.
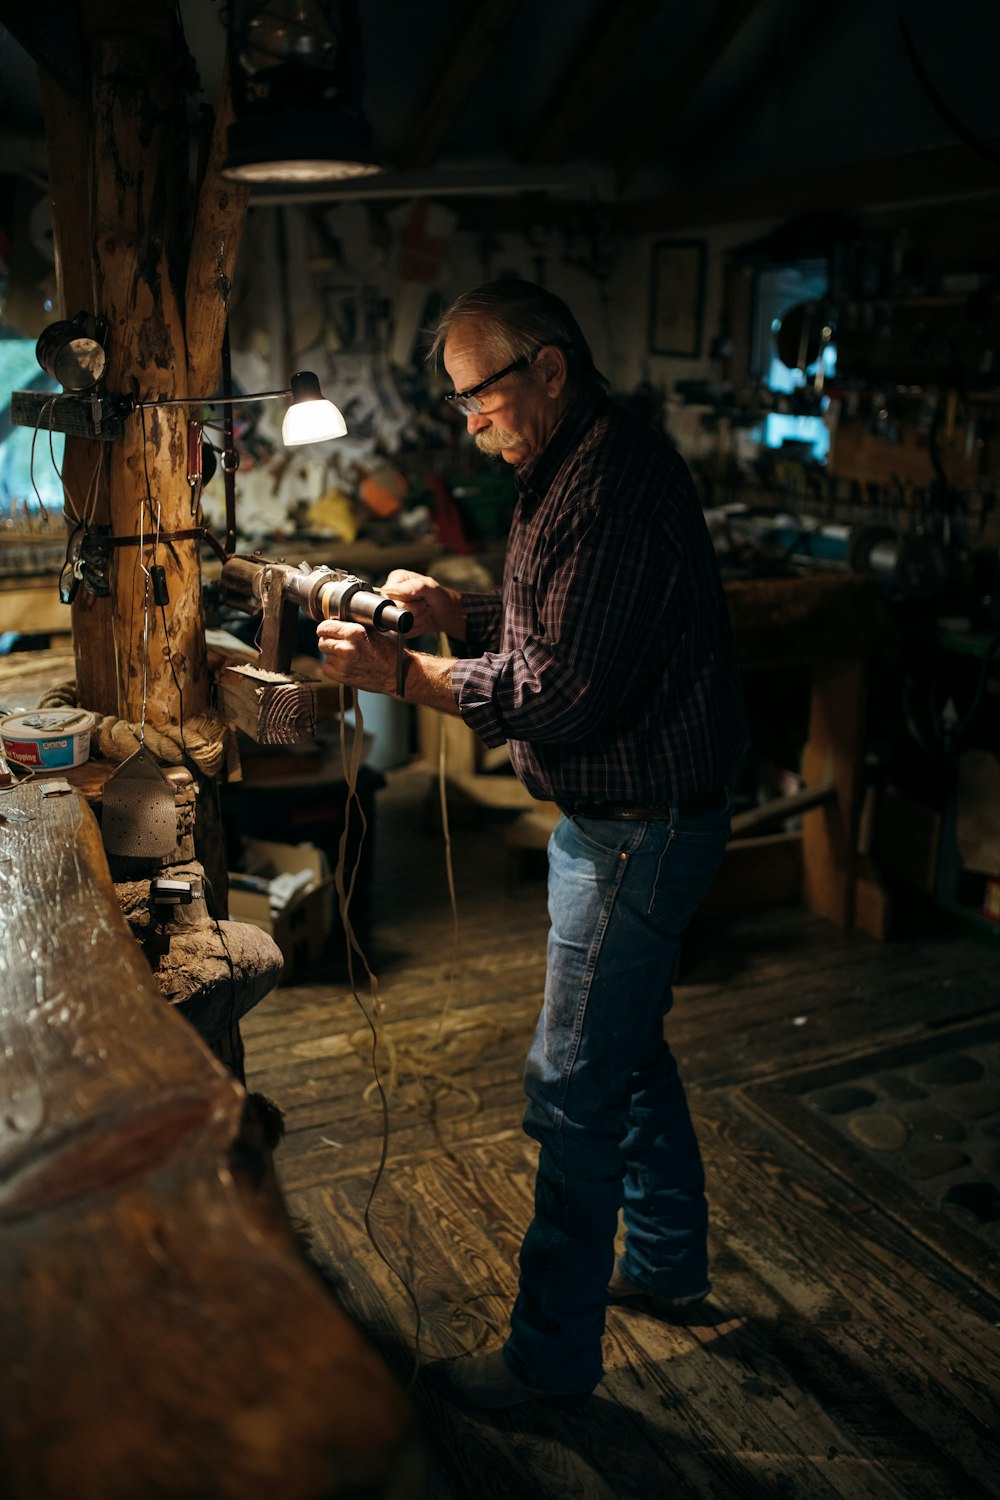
494	439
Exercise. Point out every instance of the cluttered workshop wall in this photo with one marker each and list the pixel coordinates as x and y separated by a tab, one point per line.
842	418
850	378
685	324
351	289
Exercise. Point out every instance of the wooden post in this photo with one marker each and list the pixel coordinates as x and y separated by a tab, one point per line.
833	752
85	464
222	207
139	175
121	218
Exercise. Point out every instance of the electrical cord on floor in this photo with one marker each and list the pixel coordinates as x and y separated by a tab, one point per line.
420	1063
352	765
417	1063
449	867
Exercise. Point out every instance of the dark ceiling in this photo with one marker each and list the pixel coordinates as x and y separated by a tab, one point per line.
627	100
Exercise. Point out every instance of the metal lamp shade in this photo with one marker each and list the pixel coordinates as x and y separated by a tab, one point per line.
299	145
311	418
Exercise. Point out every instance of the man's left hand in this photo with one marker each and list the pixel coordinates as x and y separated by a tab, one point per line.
356	656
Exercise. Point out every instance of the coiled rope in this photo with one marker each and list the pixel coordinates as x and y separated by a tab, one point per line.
202	740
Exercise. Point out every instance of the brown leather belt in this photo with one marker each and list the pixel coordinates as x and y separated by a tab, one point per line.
689	807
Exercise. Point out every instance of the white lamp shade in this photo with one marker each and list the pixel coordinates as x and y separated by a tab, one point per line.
310	418
312	422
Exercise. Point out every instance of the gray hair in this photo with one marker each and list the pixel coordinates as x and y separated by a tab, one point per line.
513	320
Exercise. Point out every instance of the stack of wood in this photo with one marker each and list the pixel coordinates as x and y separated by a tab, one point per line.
271	707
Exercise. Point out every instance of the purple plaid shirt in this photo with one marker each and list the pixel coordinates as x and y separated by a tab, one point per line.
607	660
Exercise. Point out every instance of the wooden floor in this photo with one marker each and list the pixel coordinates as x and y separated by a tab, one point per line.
851	1347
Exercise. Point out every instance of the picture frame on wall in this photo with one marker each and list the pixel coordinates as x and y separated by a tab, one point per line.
677	298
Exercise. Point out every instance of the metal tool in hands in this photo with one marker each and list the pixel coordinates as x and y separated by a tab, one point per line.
280	591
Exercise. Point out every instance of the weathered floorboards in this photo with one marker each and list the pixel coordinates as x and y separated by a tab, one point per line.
841	1357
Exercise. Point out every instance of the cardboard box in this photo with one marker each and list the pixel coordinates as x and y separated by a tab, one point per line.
977	814
302	928
907	840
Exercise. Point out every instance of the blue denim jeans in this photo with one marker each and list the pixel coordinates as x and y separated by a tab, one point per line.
605	1101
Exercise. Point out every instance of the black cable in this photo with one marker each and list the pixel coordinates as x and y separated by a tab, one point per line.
233	1018
951	120
173	673
345	891
964	724
376	1181
941	743
66	590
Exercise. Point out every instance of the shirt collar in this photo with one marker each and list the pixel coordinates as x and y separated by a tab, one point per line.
537	474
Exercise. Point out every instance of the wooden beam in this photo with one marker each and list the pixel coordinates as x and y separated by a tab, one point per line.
585	83
49	31
914	176
647	133
473	48
781	809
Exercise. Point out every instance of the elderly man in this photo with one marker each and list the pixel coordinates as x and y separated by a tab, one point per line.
607	662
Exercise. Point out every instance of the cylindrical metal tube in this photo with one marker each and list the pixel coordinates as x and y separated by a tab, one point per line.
344	597
241	578
323	593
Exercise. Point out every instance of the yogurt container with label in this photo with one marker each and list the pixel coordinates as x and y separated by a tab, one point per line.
47	739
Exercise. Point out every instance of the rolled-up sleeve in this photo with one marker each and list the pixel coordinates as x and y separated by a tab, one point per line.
473	683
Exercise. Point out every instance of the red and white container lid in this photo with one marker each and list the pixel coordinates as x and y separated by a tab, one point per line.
47	739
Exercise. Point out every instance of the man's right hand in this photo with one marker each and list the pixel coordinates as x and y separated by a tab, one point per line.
434	607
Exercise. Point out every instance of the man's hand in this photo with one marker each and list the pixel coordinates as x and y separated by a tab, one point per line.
356	656
434	607
366	659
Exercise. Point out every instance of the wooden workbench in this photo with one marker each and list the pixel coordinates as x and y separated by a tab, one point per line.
155	1308
31	606
831	623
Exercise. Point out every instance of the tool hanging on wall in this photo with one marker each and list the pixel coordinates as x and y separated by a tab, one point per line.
195	463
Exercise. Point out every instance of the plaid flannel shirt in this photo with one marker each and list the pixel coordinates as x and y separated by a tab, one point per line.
607	659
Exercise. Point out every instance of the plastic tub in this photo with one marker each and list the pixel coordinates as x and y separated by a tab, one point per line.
47	739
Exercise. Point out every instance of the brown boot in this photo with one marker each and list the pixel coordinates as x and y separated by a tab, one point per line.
625	1293
487	1383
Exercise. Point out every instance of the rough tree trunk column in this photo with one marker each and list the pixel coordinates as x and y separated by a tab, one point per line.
85	463
139	228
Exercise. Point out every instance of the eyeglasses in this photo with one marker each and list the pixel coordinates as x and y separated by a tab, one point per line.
468	401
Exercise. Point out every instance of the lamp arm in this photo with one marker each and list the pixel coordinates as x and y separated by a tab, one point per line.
211	400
